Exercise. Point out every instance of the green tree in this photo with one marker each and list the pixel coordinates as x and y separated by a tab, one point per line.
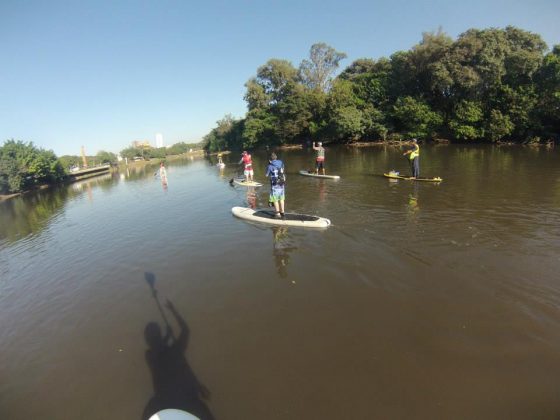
350	116
280	108
259	123
67	161
499	126
427	75
548	87
348	123
132	152
520	105
343	113
293	115
371	80
156	153
494	82
180	148
12	179
260	127
276	78
477	62
317	119
106	157
226	135
22	165
524	56
317	72
415	118
358	68
256	96
466	122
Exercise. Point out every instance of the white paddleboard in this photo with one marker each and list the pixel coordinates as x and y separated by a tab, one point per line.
247	184
290	219
173	414
307	173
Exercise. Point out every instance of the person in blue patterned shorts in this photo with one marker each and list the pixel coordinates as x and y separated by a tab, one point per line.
275	170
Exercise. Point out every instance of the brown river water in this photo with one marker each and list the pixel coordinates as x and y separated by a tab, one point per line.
419	301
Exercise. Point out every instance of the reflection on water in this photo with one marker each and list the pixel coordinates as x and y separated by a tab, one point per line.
251	198
283	245
413	206
410	295
87	185
322	190
30	213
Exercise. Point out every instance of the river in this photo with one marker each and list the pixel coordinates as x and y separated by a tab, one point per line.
420	300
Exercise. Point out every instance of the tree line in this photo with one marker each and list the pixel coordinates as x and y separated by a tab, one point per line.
487	85
158	152
24	166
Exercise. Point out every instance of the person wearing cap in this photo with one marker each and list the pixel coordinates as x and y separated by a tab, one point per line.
320	158
275	170
247	166
414	158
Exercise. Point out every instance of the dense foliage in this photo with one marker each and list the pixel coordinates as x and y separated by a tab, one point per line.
158	152
101	158
487	85
22	166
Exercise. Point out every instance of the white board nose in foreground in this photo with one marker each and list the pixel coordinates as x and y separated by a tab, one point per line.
173	414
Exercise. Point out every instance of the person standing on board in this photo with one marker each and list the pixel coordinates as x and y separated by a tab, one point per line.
320	158
162	173
275	170
247	166
414	158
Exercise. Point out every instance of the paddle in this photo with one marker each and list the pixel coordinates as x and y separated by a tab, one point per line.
238	174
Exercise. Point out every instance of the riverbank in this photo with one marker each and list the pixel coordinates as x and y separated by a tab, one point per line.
8	196
548	143
70	179
4	197
156	161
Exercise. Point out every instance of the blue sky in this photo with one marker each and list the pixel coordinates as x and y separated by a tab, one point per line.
104	73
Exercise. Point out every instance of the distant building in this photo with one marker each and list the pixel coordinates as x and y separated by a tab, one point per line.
159	140
141	144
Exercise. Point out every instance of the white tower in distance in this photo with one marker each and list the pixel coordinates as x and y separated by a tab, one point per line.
159	140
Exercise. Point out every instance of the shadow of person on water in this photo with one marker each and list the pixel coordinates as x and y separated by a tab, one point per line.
175	384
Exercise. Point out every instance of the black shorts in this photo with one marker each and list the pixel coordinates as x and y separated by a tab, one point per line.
319	164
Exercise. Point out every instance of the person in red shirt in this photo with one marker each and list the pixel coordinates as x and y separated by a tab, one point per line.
247	166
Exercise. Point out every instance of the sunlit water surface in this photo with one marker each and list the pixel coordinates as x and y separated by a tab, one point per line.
420	301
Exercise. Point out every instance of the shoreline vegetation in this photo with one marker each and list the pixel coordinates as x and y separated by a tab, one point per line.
490	85
115	167
202	153
497	86
400	143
